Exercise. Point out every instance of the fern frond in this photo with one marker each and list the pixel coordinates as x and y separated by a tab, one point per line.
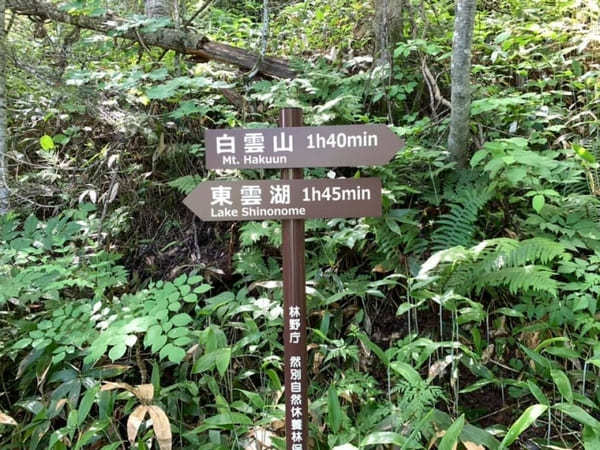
185	184
506	252
460	280
396	235
523	278
503	262
458	226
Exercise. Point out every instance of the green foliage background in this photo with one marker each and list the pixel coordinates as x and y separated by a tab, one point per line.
467	314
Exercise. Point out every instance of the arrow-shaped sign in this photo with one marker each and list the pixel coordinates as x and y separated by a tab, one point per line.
329	146
285	199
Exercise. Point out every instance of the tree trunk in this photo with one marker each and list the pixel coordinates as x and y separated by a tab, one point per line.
388	28
158	8
388	32
190	43
458	139
3	121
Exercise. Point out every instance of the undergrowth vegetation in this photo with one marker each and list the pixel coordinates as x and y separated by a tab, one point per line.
467	313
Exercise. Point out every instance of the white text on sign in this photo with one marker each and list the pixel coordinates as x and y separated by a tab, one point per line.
277	199
280	199
251	148
295	368
290	147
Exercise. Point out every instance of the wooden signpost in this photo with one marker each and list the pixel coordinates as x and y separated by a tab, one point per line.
286	199
292	200
330	146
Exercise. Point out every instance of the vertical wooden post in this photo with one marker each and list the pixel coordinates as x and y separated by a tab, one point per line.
294	316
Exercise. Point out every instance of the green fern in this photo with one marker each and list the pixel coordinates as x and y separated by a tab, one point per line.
252	232
518	265
511	253
523	278
397	234
186	184
458	226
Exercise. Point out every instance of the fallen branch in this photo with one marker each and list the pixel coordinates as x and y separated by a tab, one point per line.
189	43
435	94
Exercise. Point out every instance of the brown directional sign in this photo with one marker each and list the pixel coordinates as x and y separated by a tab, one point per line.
328	146
291	200
285	199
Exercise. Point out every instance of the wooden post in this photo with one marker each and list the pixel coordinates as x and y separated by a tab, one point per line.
294	316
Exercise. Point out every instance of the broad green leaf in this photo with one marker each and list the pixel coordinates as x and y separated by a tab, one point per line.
22	343
180	280
583	153
591	438
579	414
230	418
562	352
563	384
410	374
117	351
113	446
346	446
181	320
30	225
61	139
47	143
182	341
178	332
595	362
158	343
374	348
190	298
522	423
205	362
256	399
86	403
274	378
470	433
203	289
548	342
538	203
58	435
158	74
542	364
223	421
174	306
58	357
383	437
222	360
174	353
478	385
511	312
478	157
537	393
162	91
86	438
334	410
72	419
155	338
451	436
195	279
185	289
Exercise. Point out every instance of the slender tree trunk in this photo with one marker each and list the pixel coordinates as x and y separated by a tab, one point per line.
464	23
3	121
388	32
388	27
158	8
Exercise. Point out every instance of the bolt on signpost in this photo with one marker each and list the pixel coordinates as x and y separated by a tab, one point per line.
293	199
